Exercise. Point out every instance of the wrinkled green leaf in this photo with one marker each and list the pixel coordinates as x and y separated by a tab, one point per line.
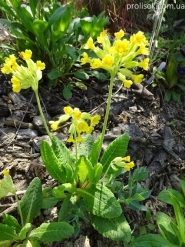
150	240
7	233
24	231
101	201
31	202
117	148
116	229
11	221
48	200
84	171
93	156
53	165
86	146
50	232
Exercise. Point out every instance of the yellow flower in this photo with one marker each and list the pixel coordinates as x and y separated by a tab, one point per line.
54	125
26	55
6	172
96	63
139	39
82	126
70	139
107	61
16	85
127	158
95	120
137	78
127	83
68	110
129	166
143	51
85	59
122	46
90	44
15	66
40	65
144	64
119	34
102	36
89	130
76	114
6	69
79	139
13	58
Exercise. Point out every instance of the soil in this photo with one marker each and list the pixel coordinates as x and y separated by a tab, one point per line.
156	128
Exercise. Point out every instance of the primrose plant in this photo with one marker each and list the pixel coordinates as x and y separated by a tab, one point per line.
20	234
90	187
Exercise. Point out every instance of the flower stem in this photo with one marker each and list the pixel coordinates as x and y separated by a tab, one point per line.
106	114
41	113
19	208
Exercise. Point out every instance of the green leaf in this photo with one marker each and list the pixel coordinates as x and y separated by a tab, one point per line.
81	75
65	209
165	196
176	97
62	153
86	146
116	229
139	174
167	95
179	217
33	6
181	86
72	51
25	18
164	223
50	232
54	74
97	172
85	24
31	202
48	200
182	183
101	201
24	231
150	240
93	156
117	148
61	18
67	92
53	165
39	26
5	8
98	75
11	221
7	233
84	171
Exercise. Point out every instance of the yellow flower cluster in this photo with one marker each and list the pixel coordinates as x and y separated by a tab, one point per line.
119	57
125	163
23	77
79	123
